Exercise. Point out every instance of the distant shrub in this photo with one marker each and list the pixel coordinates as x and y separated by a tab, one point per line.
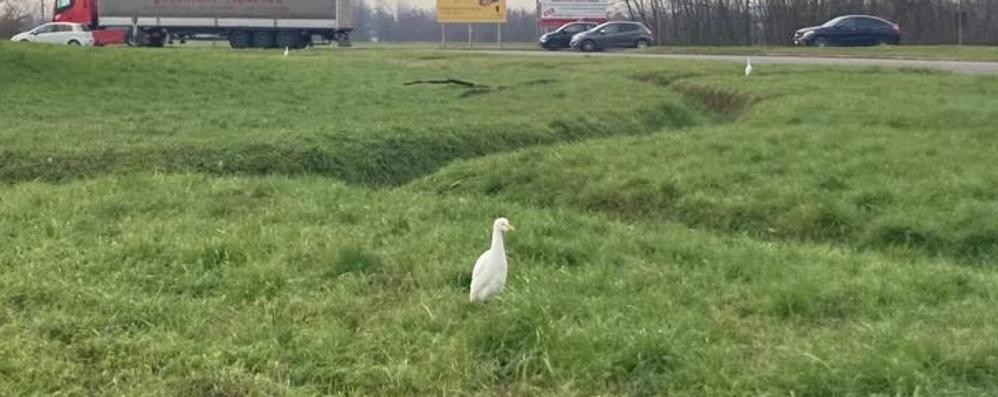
460	280
216	255
352	259
725	104
981	246
227	385
803	302
900	235
642	370
513	345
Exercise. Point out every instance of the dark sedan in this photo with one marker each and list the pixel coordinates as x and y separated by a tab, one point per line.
617	34
559	38
850	30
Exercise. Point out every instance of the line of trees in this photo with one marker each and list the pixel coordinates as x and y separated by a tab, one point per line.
14	18
746	22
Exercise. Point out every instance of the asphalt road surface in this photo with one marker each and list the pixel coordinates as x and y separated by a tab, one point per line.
967	67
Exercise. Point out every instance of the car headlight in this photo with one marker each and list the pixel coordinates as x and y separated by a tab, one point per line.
808	33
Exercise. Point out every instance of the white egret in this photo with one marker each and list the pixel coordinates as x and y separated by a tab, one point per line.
286	51
748	67
489	276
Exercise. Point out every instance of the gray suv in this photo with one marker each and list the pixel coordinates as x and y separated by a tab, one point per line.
616	34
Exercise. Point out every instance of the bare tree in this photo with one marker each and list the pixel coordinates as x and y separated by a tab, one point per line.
737	22
13	18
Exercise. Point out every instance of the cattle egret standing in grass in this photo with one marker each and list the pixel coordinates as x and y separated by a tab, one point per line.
489	276
286	50
748	67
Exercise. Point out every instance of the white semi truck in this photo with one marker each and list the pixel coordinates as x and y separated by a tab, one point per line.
245	23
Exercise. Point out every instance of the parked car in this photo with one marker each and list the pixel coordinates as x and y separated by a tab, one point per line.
850	30
560	38
58	33
616	34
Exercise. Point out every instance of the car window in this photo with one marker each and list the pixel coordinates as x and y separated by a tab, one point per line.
63	28
873	24
82	28
44	29
629	28
62	5
833	22
850	23
611	28
575	28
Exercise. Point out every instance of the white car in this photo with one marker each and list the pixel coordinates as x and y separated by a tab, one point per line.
58	33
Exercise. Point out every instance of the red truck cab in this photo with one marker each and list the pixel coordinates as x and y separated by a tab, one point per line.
85	12
78	11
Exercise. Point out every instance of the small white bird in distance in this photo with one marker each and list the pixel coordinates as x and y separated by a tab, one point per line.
286	51
748	67
489	276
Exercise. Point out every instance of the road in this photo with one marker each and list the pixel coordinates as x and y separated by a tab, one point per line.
966	67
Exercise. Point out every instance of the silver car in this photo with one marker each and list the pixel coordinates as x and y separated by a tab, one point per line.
58	33
617	34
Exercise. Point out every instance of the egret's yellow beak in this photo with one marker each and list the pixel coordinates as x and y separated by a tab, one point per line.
511	228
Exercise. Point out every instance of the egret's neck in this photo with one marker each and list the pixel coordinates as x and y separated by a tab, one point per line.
497	242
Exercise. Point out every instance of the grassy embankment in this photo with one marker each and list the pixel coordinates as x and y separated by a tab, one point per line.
236	223
350	114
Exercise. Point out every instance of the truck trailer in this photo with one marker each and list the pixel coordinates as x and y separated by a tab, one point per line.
244	23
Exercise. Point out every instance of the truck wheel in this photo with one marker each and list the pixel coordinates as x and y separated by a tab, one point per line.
343	40
144	38
304	42
288	38
156	42
263	39
240	39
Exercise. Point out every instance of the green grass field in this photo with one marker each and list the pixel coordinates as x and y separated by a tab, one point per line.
349	114
929	52
199	222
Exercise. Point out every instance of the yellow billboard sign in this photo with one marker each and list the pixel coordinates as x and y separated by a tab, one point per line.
471	11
